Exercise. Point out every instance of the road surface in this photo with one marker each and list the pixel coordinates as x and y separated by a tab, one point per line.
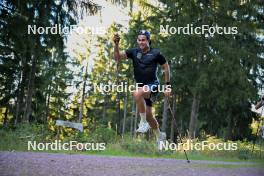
54	164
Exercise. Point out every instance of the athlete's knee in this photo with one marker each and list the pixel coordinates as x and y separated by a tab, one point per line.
137	94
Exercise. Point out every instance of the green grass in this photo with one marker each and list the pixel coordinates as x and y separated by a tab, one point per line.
116	150
233	166
16	140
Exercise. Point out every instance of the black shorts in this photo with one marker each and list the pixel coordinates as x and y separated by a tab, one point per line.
154	93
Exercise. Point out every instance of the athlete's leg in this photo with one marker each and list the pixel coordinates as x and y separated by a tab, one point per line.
139	96
151	120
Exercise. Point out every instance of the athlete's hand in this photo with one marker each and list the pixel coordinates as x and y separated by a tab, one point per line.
167	91
116	38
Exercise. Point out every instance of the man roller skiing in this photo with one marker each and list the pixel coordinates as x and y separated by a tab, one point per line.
145	62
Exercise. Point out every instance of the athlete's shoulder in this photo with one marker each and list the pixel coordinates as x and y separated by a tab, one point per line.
131	52
133	49
159	57
155	50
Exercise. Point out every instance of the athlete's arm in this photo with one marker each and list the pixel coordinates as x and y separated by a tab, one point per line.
117	54
166	69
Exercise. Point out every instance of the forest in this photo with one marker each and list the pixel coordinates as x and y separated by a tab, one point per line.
216	78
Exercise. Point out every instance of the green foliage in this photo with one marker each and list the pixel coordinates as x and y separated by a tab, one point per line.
138	147
223	71
17	138
103	134
34	68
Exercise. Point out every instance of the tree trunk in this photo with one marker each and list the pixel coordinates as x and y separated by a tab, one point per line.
164	115
194	115
135	121
125	115
83	94
104	110
228	135
20	96
48	103
47	98
133	116
30	90
173	120
131	5
5	117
